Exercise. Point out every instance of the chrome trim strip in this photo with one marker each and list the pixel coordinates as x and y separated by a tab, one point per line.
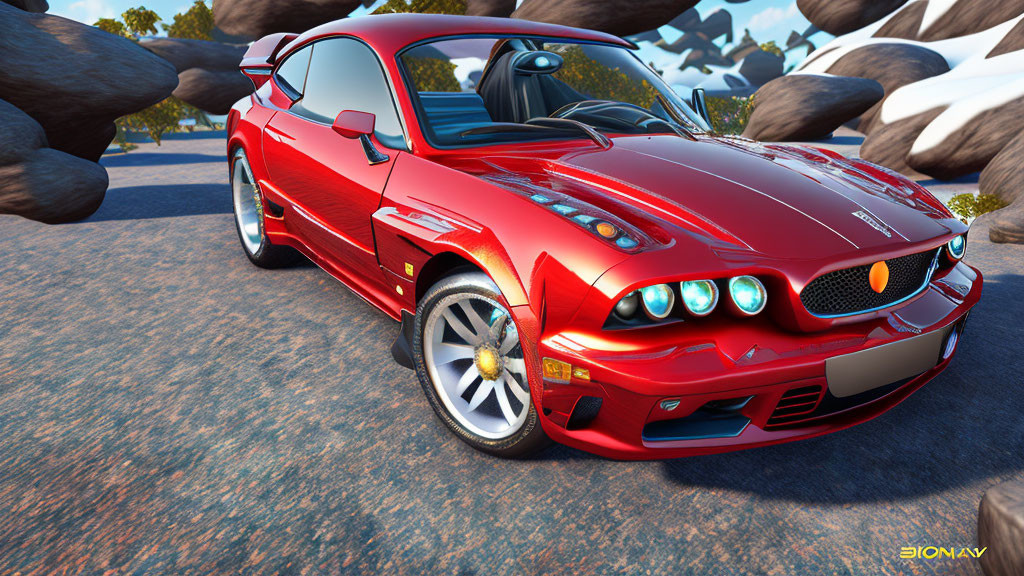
927	280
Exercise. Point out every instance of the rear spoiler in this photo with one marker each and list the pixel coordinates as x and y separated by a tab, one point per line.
258	62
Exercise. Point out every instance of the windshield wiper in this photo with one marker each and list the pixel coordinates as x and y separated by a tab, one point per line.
560	123
680	124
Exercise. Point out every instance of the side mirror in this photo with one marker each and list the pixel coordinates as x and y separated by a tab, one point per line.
700	105
359	125
352	124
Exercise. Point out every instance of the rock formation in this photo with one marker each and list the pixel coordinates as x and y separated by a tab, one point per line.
254	19
954	98
808	107
29	5
1001	529
63	84
889	144
891	65
500	8
90	78
41	183
844	16
970	148
208	75
1004	177
619	17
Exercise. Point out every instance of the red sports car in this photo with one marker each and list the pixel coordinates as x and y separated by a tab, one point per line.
574	254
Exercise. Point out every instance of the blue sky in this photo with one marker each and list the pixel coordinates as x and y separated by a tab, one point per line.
766	19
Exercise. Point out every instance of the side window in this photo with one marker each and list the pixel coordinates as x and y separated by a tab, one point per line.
344	74
291	75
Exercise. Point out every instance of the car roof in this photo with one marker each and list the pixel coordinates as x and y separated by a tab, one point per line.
390	33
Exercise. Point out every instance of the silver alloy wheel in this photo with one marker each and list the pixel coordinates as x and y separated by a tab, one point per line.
248	206
475	362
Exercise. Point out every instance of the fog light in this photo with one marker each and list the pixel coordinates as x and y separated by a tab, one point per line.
658	300
748	294
699	296
669	405
957	247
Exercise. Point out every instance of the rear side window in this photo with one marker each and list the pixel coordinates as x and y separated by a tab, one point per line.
344	74
291	75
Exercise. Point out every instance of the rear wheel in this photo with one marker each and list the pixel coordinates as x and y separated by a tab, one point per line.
470	362
248	209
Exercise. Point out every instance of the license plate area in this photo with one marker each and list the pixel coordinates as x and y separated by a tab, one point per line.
852	374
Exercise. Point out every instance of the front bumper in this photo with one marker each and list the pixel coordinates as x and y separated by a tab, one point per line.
747	383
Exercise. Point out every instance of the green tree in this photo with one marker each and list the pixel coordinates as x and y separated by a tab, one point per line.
111	26
423	6
968	205
140	21
196	23
772	48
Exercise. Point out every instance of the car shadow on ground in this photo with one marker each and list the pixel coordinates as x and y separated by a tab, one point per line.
962	427
163	201
157	158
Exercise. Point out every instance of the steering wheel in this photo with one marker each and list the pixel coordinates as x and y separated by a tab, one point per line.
593	109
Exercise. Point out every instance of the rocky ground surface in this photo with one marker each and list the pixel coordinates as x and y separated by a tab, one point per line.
167	408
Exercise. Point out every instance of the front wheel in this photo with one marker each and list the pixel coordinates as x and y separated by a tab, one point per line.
248	209
470	362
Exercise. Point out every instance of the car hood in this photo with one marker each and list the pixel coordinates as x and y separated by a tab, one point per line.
781	201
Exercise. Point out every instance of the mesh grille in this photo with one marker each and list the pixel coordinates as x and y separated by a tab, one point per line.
848	291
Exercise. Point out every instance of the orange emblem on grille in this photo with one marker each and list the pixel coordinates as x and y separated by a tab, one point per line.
879	276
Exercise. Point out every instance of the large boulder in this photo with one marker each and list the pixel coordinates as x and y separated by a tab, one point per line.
889	144
208	75
1001	529
620	17
29	5
760	67
1012	42
905	24
970	16
808	107
892	66
75	80
969	148
844	16
499	8
184	54
1004	175
41	183
1007	227
214	91
254	19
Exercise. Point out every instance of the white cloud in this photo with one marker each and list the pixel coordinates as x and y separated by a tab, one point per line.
770	18
86	11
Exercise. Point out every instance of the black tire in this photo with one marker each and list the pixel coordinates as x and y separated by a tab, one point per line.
530	438
267	255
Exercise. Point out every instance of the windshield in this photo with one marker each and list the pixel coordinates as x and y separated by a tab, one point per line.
473	91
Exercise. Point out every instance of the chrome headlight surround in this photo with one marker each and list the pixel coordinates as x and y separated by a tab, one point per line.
691	285
657	295
740	283
956	248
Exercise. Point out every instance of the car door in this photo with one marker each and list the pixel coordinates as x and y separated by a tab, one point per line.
334	187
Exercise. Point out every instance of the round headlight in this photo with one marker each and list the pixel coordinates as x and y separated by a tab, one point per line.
699	296
957	247
658	300
748	294
628	305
